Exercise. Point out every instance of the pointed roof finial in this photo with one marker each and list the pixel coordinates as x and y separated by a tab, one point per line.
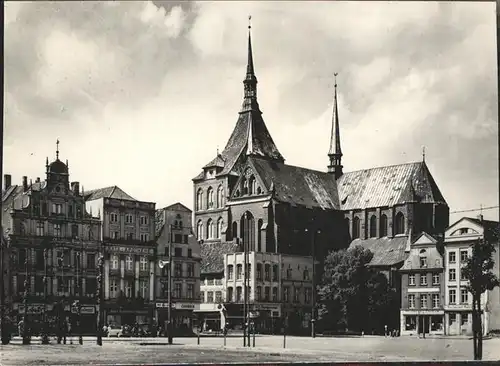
335	148
250	69
423	154
217	150
57	149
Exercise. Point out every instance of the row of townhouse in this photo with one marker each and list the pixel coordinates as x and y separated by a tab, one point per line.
54	229
435	299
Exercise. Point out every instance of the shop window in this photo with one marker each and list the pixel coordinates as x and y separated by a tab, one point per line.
410	322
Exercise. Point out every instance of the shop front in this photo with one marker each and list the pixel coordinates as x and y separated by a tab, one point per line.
422	322
266	318
119	317
181	315
210	317
295	319
87	320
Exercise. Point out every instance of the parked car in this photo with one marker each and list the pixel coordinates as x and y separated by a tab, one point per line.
114	331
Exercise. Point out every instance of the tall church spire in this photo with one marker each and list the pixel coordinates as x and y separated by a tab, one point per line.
250	82
335	152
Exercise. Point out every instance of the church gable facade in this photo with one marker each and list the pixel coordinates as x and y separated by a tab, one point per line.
378	208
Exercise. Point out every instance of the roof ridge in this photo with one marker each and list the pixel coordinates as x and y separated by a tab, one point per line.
385	166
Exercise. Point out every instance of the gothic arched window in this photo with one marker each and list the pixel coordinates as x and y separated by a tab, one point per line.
220	196
252	185
383	225
210	198
220	224
356	228
199	230
199	200
210	229
399	224
373	226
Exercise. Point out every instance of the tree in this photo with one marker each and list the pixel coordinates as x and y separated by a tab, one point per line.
351	294
478	271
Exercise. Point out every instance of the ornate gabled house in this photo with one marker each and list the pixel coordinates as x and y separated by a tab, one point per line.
248	194
51	236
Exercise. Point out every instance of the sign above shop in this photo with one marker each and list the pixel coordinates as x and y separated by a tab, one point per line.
130	250
33	309
179	305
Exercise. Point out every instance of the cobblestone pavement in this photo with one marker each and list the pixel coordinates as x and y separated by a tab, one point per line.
268	349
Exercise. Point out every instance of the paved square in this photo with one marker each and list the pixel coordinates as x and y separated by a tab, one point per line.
268	349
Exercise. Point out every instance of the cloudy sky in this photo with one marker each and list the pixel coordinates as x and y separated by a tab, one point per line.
141	94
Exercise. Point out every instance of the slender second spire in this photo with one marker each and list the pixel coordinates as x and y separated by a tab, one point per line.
335	152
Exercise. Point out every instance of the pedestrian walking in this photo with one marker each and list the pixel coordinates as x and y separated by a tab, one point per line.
385	330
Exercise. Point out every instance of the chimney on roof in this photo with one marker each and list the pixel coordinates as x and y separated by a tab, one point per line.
7	181
25	183
75	187
480	217
37	180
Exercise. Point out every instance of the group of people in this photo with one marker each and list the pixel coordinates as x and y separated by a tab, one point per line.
62	329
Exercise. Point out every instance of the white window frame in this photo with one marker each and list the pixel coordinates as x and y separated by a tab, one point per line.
57	230
452	257
435	279
424	304
411	301
144	220
129	219
464	260
114	261
423	279
129	263
143	289
452	295
113	288
411	279
40	229
113	217
435	301
462	291
454	277
143	263
128	289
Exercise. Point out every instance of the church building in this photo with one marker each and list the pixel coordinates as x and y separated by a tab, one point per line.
247	193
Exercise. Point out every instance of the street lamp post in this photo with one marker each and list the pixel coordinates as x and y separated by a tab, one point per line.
100	264
79	305
26	330
162	264
4	330
45	336
245	264
313	292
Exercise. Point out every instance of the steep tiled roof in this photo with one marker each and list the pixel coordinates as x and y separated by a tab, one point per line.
387	186
177	207
218	161
212	256
491	228
108	192
386	251
261	140
298	185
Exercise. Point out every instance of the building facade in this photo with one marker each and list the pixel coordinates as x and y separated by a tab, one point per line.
174	231
129	250
458	304
51	235
279	287
422	280
247	194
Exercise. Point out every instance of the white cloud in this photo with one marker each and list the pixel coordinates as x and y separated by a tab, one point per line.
166	88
